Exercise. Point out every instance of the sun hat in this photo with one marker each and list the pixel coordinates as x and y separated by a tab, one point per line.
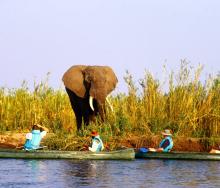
167	132
94	133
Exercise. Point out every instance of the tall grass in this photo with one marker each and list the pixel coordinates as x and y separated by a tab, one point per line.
21	108
189	108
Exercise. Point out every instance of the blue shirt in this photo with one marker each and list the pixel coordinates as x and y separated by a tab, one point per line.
34	141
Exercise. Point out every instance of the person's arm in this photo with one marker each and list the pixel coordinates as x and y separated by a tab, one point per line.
44	131
43	128
159	150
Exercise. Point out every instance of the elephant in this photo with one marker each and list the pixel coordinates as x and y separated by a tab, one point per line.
88	88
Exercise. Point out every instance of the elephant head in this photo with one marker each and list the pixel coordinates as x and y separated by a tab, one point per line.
88	87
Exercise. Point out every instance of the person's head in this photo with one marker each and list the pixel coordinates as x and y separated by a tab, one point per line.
167	132
94	134
36	127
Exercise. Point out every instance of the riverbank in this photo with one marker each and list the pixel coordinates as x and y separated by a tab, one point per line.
70	142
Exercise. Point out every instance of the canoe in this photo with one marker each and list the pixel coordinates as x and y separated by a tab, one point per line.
179	156
125	154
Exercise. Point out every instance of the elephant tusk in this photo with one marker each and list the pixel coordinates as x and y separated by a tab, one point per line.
91	103
111	107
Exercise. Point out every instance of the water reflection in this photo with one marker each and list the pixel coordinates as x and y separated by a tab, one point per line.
81	172
19	173
138	173
98	173
83	169
37	167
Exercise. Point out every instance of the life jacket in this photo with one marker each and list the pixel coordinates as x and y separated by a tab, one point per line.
34	143
170	146
100	146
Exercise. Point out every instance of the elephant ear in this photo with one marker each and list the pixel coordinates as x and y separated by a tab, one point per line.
73	79
111	79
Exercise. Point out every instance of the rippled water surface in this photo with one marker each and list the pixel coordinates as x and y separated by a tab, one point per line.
137	173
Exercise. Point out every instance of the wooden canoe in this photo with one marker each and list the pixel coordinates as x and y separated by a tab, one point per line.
179	156
125	154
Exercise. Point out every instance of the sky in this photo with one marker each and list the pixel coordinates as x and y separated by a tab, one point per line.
41	36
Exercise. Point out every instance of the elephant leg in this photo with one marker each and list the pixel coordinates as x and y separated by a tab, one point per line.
78	120
75	103
86	111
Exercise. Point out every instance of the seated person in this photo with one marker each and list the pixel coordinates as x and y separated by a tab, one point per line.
34	138
165	145
97	144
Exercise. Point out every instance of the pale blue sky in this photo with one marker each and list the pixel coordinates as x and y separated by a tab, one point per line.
43	36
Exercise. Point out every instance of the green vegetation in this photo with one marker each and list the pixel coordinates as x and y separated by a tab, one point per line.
189	108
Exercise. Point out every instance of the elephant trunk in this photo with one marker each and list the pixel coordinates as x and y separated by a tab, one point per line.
98	92
102	112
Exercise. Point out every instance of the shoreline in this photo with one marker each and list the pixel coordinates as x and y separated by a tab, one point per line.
15	140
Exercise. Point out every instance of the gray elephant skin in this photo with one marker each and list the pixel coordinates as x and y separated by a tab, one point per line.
87	88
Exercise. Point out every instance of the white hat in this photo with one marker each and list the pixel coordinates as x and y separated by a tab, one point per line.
167	132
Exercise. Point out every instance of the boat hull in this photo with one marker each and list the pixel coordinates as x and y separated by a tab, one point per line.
178	156
126	154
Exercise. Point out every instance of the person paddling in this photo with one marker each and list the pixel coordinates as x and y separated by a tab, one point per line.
165	145
96	143
34	138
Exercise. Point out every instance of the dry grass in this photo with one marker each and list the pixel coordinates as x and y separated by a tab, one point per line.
189	108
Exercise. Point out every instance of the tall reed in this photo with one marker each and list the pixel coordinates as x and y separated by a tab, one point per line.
21	108
189	108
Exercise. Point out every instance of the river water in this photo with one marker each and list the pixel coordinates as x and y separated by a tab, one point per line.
138	173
